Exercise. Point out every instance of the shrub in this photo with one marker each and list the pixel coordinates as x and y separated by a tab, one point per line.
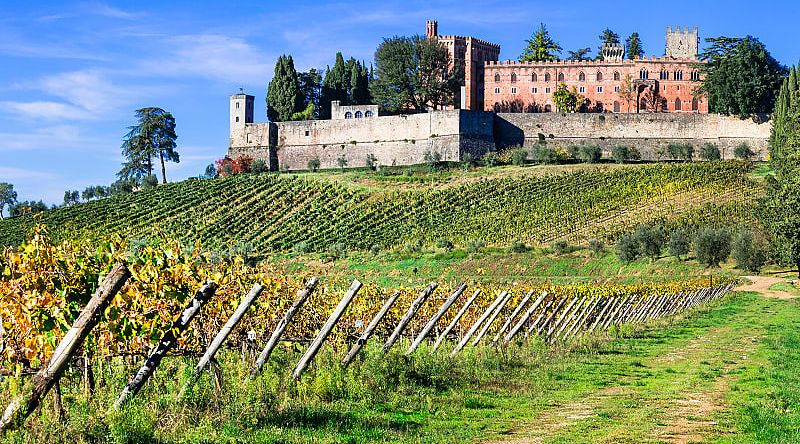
474	246
748	251
413	246
679	243
432	158
490	159
375	249
634	154
301	247
543	154
596	246
681	151
444	244
650	241
518	247
150	181
560	247
519	156
621	153
743	151
710	151
627	248
590	153
341	162
504	156
712	246
259	166
313	164
371	162
337	250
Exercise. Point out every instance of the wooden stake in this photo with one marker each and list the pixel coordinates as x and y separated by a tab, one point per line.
511	317
491	319
524	319
412	310
370	329
432	322
477	324
455	320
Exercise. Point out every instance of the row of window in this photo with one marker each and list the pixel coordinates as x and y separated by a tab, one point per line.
643	74
535	90
618	106
349	115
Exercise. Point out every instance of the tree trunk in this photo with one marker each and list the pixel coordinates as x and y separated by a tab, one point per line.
163	168
28	398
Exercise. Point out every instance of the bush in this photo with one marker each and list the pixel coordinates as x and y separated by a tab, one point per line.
259	166
748	251
743	151
519	156
710	151
543	154
474	246
504	156
621	153
413	246
432	158
590	153
490	159
337	250
712	246
681	151
301	247
650	241
518	247
150	181
627	248
444	244
313	164
560	247
371	162
596	246
679	243
375	249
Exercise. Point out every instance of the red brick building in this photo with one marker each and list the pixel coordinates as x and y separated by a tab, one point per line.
653	84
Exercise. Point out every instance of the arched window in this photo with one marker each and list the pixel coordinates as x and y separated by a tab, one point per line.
616	76
237	105
677	75
599	107
359	114
534	77
642	105
548	108
695	75
695	105
663	104
368	114
513	77
348	115
677	104
599	76
497	78
547	77
616	106
644	75
581	77
561	77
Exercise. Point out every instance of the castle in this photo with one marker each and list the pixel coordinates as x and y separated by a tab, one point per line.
504	104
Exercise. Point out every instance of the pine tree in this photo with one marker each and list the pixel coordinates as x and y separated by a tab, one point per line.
541	47
633	47
283	93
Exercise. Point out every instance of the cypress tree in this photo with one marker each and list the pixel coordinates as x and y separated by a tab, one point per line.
335	86
283	93
633	47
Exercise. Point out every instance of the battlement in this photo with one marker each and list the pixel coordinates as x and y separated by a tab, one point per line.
472	39
598	63
679	31
682	43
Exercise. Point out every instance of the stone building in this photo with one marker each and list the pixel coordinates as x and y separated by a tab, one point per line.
352	111
655	84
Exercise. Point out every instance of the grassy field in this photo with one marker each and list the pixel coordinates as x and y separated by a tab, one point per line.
726	373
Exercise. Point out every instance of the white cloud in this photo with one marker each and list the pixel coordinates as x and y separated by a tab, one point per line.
56	137
11	174
45	110
105	10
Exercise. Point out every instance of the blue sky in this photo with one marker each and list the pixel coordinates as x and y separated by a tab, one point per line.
73	72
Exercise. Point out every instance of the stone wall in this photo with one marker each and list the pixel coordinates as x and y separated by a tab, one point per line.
649	133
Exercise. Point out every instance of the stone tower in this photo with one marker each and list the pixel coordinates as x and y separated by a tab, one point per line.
241	112
431	29
682	44
613	52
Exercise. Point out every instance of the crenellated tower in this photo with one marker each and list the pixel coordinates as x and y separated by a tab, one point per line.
682	44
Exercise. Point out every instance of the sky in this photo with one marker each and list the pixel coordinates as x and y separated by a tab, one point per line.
73	73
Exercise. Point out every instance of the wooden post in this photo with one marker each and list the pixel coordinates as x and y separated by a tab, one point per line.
477	325
326	330
223	334
370	329
412	310
432	322
491	319
524	319
541	316
168	341
29	396
299	300
581	319
511	317
455	320
562	325
616	315
561	317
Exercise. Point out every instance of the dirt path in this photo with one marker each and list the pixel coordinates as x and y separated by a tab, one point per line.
761	284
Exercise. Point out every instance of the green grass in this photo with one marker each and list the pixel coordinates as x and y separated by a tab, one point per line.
742	353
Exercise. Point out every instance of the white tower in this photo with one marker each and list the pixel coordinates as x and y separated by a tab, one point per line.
682	44
241	112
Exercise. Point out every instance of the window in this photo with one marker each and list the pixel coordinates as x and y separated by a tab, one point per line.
534	77
547	77
663	75
368	114
679	87
599	89
616	75
535	90
695	105
677	104
497	90
348	115
237	105
548	108
616	89
513	90
359	114
644	75
308	133
237	118
497	78
561	77
513	77
695	75
581	77
616	107
599	76
582	89
547	90
250	137
677	75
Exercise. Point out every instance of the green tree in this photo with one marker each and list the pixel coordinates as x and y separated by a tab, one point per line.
621	153
748	251
627	248
7	196
743	151
650	241
712	246
153	136
710	151
283	93
310	85
566	100
740	77
541	47
679	243
607	37
413	74
580	54
633	47
313	164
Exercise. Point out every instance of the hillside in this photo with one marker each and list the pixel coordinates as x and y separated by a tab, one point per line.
276	212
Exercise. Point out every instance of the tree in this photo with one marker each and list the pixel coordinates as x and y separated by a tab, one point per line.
627	248
650	241
310	86
566	100
625	92
88	194
710	151
712	246
371	162
743	151
679	243
283	92
541	47
210	172
341	161
580	54
633	47
607	37
740	77
621	153
413	74
748	251
590	153
313	164
7	196
348	82
154	135
27	207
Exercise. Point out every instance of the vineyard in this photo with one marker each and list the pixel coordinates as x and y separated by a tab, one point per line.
271	212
